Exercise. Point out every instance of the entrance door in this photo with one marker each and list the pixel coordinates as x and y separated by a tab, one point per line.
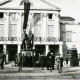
40	51
12	51
54	49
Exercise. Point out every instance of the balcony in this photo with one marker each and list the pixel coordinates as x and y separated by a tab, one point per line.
46	39
36	39
10	39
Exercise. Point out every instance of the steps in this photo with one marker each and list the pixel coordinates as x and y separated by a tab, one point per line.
35	77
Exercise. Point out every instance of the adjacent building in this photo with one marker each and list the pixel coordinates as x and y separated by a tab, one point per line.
69	31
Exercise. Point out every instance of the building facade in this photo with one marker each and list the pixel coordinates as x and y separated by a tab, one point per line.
44	22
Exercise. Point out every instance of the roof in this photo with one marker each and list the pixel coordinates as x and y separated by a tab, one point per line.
35	4
4	1
66	18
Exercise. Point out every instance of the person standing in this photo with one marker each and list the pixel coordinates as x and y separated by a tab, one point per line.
3	57
61	58
34	60
15	59
66	61
19	62
23	60
58	63
49	60
52	60
42	61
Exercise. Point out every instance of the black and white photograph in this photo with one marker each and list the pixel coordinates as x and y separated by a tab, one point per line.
39	39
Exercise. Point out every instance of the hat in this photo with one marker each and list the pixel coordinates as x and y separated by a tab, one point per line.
51	53
30	31
59	54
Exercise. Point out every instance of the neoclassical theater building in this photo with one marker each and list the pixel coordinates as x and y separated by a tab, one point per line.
50	30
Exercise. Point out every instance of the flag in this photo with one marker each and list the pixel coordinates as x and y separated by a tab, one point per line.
26	14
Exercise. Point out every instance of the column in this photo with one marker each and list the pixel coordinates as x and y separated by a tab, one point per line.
6	25
57	26
4	49
34	50
19	25
44	25
5	52
32	23
61	50
47	49
19	48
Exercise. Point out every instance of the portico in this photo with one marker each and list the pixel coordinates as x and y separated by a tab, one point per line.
56	47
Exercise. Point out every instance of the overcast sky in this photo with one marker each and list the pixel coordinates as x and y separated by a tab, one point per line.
69	7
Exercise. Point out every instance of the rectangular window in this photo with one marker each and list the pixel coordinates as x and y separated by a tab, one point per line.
13	16
50	30
37	16
63	36
68	51
13	30
1	15
38	30
1	30
69	35
50	16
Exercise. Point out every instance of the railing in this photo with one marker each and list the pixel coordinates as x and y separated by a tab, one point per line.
45	39
10	39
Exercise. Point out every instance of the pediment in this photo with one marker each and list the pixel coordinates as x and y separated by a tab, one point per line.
35	4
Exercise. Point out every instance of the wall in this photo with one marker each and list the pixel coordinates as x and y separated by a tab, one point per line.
75	28
41	27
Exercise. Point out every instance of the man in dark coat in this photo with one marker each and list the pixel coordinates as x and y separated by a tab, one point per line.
61	61
52	60
3	59
42	61
20	62
15	59
23	60
34	60
66	61
48	61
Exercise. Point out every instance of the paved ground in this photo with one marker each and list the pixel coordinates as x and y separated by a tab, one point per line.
11	73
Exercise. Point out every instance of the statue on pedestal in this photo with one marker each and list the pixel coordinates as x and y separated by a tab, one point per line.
27	43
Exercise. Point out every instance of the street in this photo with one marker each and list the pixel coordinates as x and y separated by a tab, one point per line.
11	73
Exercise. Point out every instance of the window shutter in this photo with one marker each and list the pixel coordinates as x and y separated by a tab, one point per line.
1	30
13	30
50	30
69	36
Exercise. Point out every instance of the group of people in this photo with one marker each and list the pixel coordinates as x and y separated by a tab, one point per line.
43	61
19	61
51	60
22	60
39	60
